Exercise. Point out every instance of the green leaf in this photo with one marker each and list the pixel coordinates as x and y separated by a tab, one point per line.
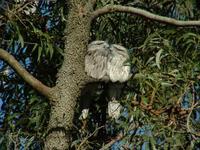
39	53
166	84
20	38
35	46
50	48
158	58
139	76
153	143
149	60
145	100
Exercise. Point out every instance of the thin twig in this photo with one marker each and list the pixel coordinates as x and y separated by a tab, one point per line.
31	43
86	139
188	121
117	138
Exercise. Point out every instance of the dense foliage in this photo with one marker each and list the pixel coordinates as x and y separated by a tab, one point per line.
33	36
161	101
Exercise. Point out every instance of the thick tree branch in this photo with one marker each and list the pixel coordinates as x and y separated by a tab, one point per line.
36	84
143	13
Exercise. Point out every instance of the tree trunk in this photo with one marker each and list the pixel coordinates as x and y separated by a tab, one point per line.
71	76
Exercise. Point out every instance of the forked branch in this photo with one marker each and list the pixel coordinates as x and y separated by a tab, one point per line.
143	13
36	84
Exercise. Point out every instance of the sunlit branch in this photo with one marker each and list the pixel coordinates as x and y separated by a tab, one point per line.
36	84
143	13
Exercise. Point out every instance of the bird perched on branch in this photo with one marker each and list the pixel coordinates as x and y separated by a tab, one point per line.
108	63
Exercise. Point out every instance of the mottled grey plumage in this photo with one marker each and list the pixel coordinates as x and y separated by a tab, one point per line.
96	60
107	62
118	67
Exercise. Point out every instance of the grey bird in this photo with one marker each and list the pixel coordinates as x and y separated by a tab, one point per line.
108	63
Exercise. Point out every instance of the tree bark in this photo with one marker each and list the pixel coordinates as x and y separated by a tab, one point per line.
71	76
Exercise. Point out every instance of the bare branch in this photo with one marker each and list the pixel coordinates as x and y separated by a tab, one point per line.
143	13
36	84
117	138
